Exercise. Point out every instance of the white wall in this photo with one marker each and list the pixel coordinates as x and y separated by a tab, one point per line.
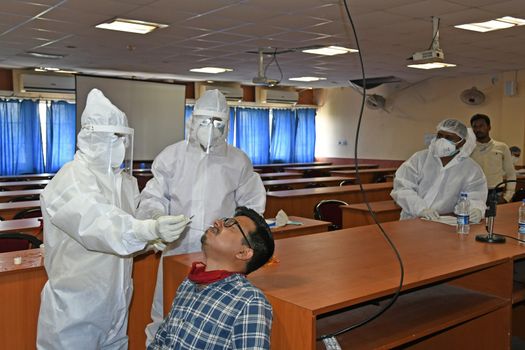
413	110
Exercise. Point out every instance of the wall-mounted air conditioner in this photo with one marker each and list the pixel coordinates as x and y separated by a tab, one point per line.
281	96
46	83
232	93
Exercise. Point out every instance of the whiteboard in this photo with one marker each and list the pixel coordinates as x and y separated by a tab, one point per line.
155	110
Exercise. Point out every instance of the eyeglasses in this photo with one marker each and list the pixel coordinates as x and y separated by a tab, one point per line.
229	222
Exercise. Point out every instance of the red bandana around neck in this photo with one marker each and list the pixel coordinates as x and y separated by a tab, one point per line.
200	276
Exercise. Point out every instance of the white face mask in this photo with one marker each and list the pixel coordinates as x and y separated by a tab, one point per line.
209	132
443	147
515	160
118	152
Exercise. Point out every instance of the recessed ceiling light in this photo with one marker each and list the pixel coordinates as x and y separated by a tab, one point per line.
130	25
44	55
330	50
307	78
212	70
495	24
431	65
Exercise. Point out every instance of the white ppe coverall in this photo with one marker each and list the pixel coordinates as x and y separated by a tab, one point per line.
206	181
88	235
423	182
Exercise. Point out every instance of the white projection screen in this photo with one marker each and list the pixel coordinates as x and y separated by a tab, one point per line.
154	110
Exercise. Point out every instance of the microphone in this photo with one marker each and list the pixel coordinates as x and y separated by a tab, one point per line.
490	215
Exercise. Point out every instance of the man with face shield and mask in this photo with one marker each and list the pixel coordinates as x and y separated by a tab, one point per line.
90	235
429	183
202	177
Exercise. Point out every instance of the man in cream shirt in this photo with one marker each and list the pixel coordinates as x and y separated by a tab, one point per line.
494	158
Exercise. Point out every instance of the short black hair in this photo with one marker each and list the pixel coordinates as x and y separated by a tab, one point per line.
261	239
515	149
478	117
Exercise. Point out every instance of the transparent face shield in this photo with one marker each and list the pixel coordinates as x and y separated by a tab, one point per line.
209	130
114	144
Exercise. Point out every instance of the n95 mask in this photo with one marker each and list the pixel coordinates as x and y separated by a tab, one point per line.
443	147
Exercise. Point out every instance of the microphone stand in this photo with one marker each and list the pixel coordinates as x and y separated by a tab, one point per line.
490	215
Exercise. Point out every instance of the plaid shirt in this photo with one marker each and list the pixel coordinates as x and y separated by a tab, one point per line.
227	314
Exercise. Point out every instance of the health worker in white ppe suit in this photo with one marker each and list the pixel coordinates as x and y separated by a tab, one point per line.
203	178
429	183
90	235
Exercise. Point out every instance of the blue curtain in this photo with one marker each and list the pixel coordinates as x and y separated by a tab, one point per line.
231	127
305	135
283	136
20	138
253	133
60	134
188	110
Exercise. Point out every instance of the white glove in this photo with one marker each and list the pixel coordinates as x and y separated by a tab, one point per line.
429	214
475	215
169	228
156	245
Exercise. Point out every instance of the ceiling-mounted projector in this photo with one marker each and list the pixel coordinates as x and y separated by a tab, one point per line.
261	78
263	81
433	54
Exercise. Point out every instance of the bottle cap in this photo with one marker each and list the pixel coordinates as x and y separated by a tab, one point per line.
17	260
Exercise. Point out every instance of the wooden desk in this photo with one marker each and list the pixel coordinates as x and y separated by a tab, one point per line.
456	293
358	214
32	226
6	196
20	287
366	175
308	227
285	175
274	167
328	168
8	210
42	176
19	185
303	181
301	202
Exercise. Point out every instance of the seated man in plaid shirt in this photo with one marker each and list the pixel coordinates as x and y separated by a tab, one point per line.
216	307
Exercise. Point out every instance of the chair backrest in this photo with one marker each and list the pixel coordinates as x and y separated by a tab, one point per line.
519	195
314	185
28	213
347	182
279	188
329	210
316	173
10	242
34	197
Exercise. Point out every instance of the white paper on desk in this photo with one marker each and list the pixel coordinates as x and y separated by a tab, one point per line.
445	219
281	218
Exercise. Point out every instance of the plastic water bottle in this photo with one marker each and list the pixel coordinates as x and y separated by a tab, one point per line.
463	209
521	221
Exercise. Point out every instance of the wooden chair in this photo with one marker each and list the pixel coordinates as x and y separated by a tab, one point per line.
28	213
328	210
347	182
10	242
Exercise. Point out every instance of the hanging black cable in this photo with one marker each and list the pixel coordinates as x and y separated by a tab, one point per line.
385	235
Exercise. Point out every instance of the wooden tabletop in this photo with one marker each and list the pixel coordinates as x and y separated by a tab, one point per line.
30	259
302	181
42	176
275	166
17	185
9	209
358	214
6	196
363	171
30	225
281	175
307	227
330	167
326	190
